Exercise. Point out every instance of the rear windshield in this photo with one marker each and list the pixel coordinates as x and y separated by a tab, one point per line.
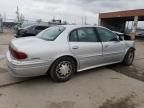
51	33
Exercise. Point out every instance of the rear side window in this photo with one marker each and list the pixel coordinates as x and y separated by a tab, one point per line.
51	33
83	35
106	35
73	36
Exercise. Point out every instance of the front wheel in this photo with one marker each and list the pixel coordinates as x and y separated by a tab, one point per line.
62	69
129	57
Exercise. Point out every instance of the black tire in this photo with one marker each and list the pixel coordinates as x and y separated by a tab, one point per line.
129	57
58	70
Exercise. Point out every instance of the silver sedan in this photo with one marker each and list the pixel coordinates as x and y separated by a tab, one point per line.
60	51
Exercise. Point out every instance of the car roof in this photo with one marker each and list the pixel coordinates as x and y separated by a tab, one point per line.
41	25
118	33
79	26
34	25
76	26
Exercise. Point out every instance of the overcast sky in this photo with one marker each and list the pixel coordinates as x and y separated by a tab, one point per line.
70	10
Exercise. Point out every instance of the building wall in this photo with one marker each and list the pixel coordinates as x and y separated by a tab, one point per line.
113	24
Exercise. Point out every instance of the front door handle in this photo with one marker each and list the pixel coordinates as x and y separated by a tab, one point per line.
75	47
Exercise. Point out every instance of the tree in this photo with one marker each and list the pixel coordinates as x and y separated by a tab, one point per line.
21	19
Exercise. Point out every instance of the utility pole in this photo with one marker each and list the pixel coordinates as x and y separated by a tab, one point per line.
1	24
82	19
18	16
99	21
5	17
85	20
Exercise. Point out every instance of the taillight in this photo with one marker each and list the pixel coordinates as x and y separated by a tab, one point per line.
17	54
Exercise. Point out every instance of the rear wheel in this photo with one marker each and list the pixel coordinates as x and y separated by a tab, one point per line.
62	69
129	58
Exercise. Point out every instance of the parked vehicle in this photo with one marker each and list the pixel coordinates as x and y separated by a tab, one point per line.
140	33
123	35
29	30
63	50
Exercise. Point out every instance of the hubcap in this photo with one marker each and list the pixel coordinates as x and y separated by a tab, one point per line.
64	69
130	57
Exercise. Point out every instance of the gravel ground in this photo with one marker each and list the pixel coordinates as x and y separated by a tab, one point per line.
137	69
105	87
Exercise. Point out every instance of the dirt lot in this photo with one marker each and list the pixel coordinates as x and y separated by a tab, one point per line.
4	41
114	86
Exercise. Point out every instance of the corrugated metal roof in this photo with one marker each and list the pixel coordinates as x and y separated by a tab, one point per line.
121	14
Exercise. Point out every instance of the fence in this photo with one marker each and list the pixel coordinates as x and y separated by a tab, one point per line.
1	25
11	23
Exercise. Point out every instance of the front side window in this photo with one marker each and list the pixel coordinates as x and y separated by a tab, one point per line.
83	35
106	35
51	33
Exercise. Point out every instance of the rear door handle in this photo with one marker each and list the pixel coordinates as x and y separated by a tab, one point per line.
106	46
75	47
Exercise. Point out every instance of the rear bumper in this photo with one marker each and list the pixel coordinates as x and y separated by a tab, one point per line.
27	68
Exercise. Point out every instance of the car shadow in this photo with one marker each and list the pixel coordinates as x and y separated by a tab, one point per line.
46	78
130	71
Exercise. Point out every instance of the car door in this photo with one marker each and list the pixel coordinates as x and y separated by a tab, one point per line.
113	48
85	45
